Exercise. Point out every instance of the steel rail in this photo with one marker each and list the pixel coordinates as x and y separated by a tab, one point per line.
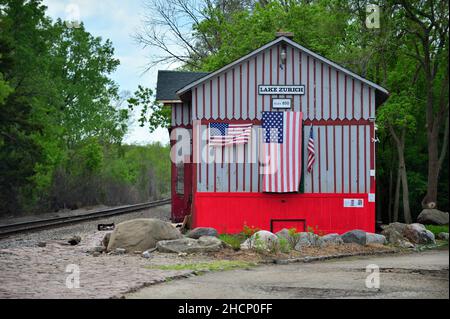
10	229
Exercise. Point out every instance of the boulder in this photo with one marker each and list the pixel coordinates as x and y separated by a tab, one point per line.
432	216
418	234
105	240
307	239
284	233
443	236
332	239
74	240
198	232
262	239
399	227
190	245
141	234
375	239
405	244
355	236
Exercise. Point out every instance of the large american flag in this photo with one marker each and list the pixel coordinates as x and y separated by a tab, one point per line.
223	134
282	151
311	150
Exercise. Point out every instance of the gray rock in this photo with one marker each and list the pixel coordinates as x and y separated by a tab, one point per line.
146	254
190	245
105	240
96	254
375	239
418	234
262	239
284	233
333	239
42	244
120	251
96	249
399	227
307	239
198	232
443	236
355	236
405	244
392	234
432	216
74	240
141	234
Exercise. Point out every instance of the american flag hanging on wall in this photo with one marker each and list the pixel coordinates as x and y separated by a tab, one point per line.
223	134
311	150
282	148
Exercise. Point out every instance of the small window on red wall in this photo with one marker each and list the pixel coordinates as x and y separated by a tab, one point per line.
180	179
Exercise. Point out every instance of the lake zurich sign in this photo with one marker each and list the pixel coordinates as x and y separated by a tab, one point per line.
281	89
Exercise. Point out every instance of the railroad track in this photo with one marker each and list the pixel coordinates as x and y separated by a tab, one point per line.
10	229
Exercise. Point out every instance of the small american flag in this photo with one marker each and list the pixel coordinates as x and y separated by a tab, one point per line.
311	150
282	151
223	134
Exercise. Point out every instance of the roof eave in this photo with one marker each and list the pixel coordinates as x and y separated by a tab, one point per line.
293	43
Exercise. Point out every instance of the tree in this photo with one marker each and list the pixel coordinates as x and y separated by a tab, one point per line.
427	30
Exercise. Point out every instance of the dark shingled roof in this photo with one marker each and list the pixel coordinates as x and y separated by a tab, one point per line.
169	82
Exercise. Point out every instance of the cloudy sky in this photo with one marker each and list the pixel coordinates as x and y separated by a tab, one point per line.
117	20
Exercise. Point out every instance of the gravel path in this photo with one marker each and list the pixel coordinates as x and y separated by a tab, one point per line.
29	271
82	229
418	275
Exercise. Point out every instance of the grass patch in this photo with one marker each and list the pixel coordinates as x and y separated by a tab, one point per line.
220	265
436	229
234	241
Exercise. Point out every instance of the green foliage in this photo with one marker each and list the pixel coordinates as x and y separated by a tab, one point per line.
248	231
436	229
153	113
234	241
284	245
219	265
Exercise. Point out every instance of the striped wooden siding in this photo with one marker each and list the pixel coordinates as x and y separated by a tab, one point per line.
330	94
342	163
181	114
341	103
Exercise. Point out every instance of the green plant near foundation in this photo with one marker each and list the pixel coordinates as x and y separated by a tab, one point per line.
284	245
436	229
234	241
219	265
294	237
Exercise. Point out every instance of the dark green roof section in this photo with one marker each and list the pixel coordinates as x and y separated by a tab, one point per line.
169	82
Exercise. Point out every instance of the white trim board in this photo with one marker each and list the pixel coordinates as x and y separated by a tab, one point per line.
294	44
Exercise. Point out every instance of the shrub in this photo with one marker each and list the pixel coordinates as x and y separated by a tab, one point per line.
248	231
284	245
436	229
234	241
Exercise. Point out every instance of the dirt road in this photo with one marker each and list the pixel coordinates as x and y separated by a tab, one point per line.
418	275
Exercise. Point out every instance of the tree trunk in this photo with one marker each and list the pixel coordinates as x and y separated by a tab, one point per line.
400	144
430	198
397	195
390	196
405	189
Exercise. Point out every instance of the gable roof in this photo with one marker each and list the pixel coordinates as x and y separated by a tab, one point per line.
171	81
188	86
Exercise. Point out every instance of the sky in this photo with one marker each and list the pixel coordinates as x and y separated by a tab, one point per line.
117	20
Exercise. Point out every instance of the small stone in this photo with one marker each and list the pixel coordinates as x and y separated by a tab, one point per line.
74	240
137	252
182	254
443	236
42	244
120	251
146	254
96	254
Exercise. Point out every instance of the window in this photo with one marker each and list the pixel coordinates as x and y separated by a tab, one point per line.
180	179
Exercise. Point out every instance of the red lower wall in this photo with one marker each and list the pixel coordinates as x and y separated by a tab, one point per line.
229	212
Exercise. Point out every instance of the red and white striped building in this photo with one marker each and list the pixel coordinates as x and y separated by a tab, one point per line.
337	104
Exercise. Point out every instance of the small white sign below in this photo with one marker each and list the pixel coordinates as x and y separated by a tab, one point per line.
354	202
371	198
372	173
281	103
